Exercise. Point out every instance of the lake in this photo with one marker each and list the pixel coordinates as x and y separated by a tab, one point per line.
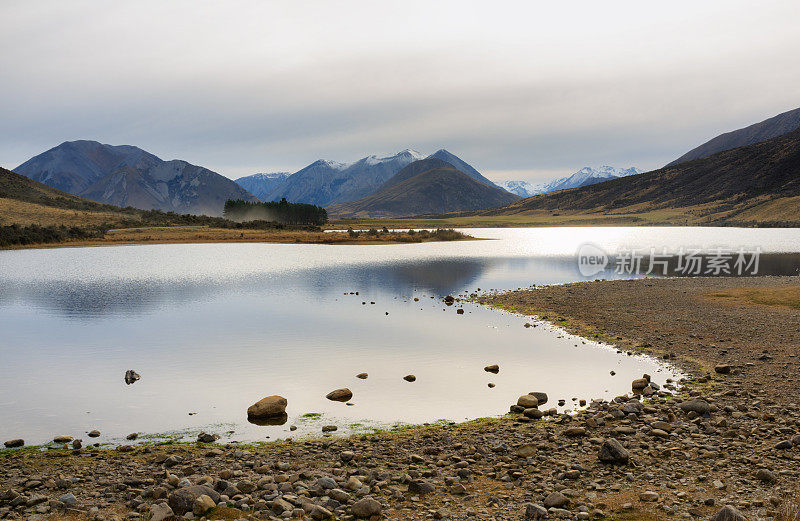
212	328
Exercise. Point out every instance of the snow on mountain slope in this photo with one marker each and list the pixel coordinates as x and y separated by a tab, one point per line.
520	188
583	177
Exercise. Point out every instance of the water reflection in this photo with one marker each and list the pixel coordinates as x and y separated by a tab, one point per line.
85	299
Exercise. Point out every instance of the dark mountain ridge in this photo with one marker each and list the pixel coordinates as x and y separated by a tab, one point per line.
126	175
428	186
756	133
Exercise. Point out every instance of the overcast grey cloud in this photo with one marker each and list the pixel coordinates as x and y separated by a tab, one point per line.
518	89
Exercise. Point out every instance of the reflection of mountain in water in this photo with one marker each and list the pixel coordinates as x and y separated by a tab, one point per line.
80	299
87	300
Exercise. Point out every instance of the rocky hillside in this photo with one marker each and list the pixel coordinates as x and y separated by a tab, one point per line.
429	186
129	176
756	133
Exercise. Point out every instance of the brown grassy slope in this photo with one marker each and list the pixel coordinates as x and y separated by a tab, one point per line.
750	183
25	201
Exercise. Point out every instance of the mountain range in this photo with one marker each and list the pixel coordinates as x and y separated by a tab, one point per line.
584	177
326	182
126	175
427	186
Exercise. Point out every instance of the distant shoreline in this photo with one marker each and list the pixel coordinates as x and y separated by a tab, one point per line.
205	235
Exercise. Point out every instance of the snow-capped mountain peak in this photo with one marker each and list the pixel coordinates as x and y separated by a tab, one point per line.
408	156
584	177
520	188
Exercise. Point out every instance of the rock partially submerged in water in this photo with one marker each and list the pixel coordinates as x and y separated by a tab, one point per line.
205	437
131	376
494	368
62	439
269	407
340	395
528	401
410	378
362	376
13	444
541	397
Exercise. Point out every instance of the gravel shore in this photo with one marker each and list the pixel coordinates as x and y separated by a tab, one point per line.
728	435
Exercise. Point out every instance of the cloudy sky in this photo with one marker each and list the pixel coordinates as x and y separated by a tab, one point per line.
521	90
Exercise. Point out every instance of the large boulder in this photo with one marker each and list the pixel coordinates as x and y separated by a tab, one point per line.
528	401
182	500
612	451
269	407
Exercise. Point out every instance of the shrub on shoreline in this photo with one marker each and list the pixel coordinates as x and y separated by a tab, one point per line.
16	235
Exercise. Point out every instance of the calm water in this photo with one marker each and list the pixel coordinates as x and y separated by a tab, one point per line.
213	328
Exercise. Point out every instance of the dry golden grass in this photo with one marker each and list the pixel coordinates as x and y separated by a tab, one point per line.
784	296
13	211
200	234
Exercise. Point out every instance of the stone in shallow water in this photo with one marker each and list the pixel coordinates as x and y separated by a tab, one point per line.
410	378
131	376
340	395
494	368
270	406
11	444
